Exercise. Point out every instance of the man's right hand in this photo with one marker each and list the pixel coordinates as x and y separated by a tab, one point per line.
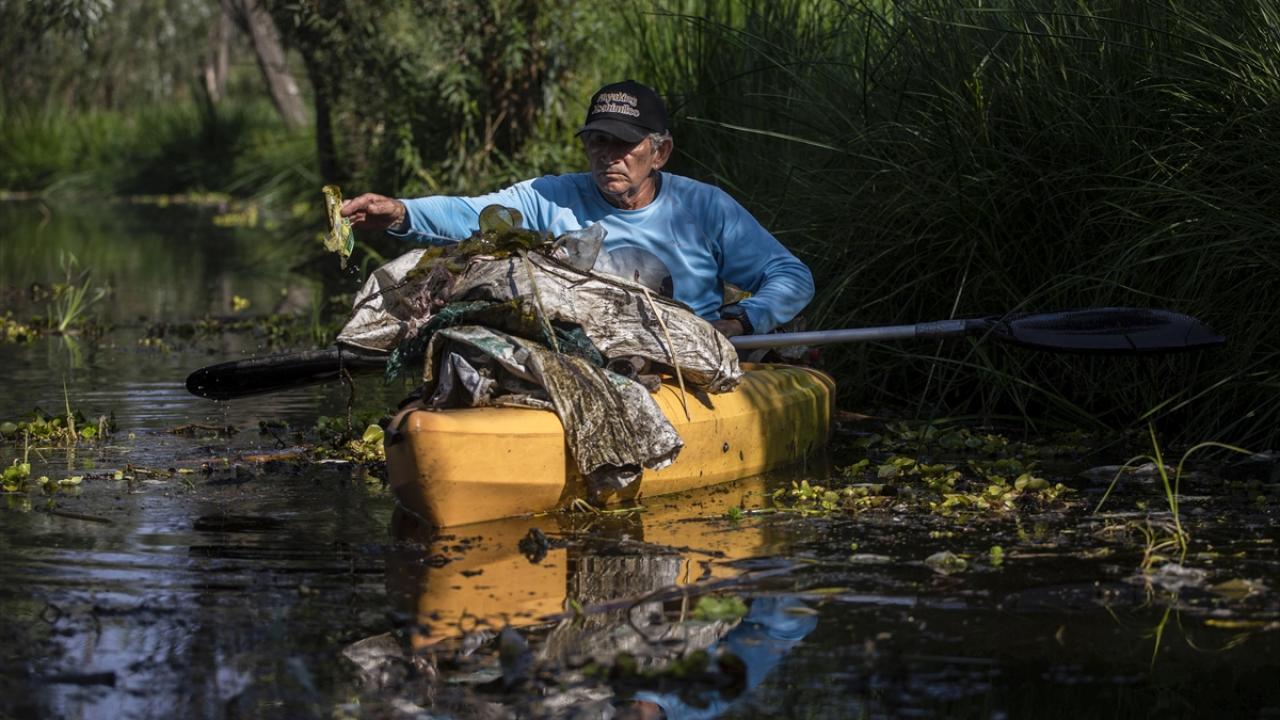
376	212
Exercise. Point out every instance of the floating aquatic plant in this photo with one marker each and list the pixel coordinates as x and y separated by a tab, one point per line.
56	430
13	331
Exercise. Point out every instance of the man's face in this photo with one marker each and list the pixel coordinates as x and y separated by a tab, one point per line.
623	170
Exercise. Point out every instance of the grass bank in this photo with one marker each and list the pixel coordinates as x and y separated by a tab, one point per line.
240	149
934	160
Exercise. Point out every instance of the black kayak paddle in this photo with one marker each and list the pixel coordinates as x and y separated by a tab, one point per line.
1119	331
239	378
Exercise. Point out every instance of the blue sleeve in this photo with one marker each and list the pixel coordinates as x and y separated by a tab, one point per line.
751	258
441	219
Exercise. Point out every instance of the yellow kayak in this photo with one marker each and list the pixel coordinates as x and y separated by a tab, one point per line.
460	466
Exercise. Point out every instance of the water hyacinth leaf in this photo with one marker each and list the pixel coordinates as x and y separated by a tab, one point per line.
855	468
340	238
372	434
711	608
887	472
1030	483
16	472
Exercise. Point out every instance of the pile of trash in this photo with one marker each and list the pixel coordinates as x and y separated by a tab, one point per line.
514	317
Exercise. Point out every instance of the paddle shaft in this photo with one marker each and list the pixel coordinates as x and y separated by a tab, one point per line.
919	331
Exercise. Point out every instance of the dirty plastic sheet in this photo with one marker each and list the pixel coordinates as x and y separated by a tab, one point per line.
613	426
390	308
621	318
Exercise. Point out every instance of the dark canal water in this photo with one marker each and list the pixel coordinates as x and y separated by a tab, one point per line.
214	574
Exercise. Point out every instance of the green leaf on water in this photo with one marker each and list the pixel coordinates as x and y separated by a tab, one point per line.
712	607
372	434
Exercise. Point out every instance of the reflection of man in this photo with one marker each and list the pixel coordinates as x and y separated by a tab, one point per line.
702	236
761	640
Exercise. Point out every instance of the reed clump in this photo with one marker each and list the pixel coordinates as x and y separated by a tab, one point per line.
935	159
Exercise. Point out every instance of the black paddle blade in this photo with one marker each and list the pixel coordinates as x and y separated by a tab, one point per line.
277	372
1108	330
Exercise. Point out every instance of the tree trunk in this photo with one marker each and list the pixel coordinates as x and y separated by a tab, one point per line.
218	59
256	21
326	146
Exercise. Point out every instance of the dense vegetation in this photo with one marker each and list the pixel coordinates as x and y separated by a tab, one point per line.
929	159
933	159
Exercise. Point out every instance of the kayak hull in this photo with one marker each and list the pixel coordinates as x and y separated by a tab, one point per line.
461	466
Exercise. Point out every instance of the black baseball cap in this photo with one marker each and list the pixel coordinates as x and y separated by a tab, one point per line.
626	110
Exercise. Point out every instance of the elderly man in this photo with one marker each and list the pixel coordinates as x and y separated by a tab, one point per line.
701	235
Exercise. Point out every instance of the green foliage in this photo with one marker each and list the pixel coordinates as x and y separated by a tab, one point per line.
342	445
1163	536
239	148
926	468
73	297
451	96
15	476
13	331
75	54
937	159
39	429
719	607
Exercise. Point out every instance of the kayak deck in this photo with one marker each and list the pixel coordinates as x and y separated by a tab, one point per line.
460	466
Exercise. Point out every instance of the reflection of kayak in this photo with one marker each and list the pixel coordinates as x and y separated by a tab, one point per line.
482	580
459	466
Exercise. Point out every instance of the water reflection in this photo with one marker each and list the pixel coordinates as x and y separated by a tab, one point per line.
159	264
597	591
185	600
480	578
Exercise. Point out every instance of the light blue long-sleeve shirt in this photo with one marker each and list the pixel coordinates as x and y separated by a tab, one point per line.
703	236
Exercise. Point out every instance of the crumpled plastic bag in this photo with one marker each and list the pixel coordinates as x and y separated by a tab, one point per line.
612	423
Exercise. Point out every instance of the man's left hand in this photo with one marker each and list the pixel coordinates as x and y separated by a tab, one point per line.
729	328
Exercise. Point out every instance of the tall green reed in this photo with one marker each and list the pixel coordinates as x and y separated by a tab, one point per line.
72	298
936	159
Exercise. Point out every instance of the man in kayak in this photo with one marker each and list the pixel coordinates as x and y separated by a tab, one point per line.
702	236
